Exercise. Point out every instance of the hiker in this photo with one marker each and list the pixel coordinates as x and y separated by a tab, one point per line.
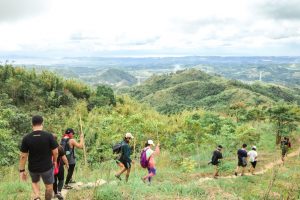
59	171
217	154
39	147
69	144
148	161
285	144
125	157
253	159
242	160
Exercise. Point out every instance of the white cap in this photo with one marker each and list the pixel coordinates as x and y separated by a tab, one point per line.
151	142
254	147
128	135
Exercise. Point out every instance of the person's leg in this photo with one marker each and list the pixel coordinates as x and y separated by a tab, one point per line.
70	173
48	179
55	184
127	174
151	173
243	170
236	170
216	171
48	191
60	177
35	178
36	189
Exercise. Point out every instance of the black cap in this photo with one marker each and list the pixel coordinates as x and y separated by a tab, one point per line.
69	130
220	146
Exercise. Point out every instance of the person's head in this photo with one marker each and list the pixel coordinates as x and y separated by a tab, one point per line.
244	146
37	120
254	148
69	131
128	137
150	143
285	138
219	147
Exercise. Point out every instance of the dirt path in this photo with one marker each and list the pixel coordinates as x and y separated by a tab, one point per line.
80	185
264	170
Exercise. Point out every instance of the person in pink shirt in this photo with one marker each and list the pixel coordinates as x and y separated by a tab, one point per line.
150	154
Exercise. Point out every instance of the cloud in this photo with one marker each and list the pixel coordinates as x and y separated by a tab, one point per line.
281	9
12	10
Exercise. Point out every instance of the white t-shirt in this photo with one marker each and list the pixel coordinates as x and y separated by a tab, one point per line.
252	155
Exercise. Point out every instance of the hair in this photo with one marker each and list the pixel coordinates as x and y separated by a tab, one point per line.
253	149
244	145
37	120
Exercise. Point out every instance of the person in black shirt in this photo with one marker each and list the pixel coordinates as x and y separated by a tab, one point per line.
39	147
242	160
215	160
125	159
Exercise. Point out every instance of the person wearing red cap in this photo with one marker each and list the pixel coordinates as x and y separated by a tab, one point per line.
69	144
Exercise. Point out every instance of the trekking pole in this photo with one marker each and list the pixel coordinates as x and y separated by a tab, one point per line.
84	150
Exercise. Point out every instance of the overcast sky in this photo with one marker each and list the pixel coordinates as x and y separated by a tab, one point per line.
149	27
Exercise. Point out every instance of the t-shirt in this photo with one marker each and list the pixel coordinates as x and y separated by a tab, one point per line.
252	155
216	156
126	151
242	153
39	145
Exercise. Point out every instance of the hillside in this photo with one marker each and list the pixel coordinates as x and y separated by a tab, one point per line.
116	77
192	88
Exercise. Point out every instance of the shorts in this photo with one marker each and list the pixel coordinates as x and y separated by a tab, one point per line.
47	176
126	164
152	170
253	164
283	152
241	164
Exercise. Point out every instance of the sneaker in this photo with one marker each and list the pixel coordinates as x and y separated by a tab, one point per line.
72	181
59	196
118	177
68	187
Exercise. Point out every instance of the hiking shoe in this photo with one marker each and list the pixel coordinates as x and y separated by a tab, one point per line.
72	181
235	173
59	196
118	177
68	187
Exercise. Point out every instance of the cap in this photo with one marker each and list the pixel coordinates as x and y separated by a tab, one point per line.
69	130
151	142
254	147
128	135
220	146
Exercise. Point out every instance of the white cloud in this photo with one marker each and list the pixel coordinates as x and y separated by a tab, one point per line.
90	27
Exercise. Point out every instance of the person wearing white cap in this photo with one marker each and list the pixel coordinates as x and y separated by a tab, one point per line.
125	157
253	159
150	157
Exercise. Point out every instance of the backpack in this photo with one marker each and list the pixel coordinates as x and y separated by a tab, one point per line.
117	148
65	145
143	159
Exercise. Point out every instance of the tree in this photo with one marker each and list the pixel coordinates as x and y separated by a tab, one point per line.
285	117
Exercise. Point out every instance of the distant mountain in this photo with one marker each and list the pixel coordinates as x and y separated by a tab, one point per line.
192	88
117	77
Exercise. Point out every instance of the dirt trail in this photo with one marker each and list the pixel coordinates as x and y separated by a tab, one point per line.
264	170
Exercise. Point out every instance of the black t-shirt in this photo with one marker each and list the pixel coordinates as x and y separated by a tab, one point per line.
242	153
39	145
216	156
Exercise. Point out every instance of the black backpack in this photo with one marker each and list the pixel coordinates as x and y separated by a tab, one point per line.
64	143
117	148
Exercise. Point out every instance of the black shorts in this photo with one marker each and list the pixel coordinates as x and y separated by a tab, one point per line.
47	176
126	164
253	164
241	164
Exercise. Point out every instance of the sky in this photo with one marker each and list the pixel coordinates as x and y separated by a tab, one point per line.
150	28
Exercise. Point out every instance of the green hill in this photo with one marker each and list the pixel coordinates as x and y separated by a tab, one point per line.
192	88
117	78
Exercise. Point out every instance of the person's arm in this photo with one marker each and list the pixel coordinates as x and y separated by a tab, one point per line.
55	155
22	163
76	144
157	150
64	158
